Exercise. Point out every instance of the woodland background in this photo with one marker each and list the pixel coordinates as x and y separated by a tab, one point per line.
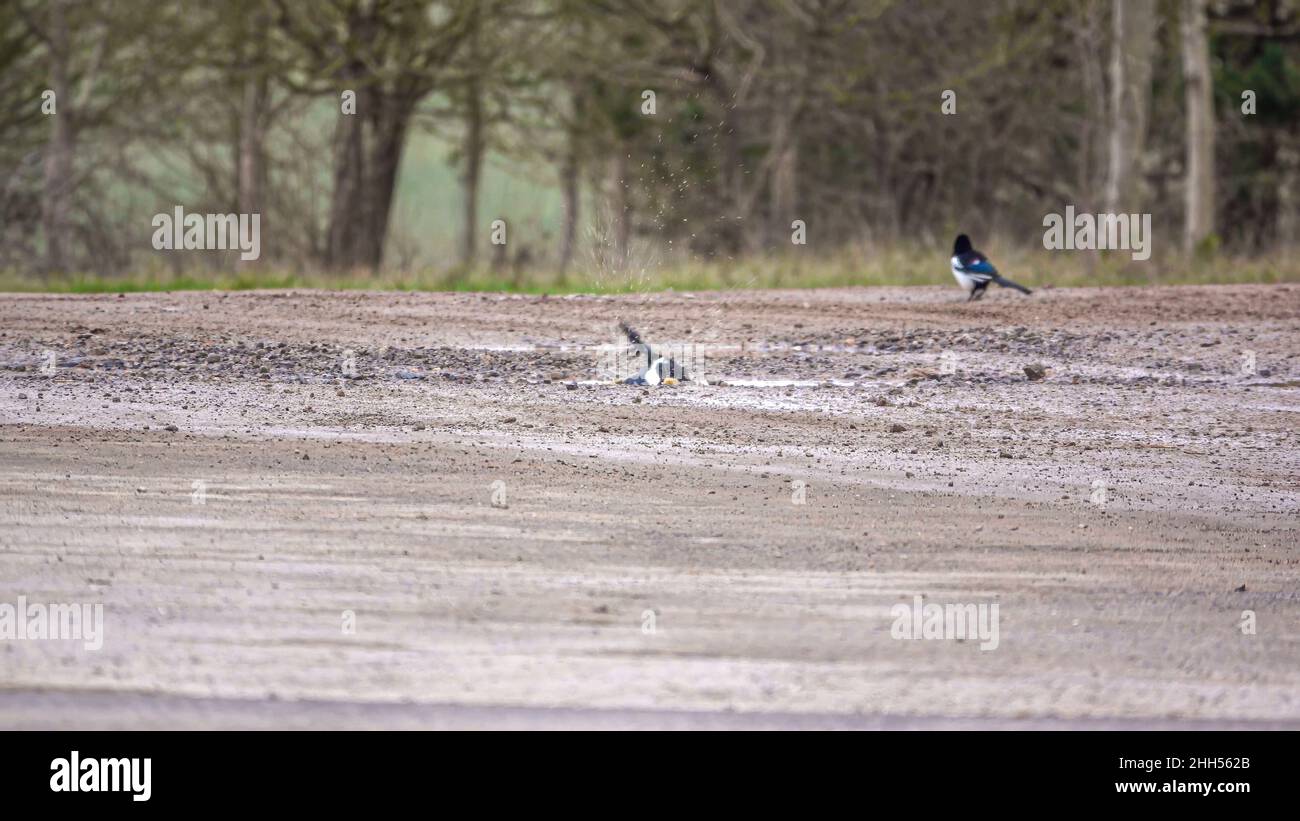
531	111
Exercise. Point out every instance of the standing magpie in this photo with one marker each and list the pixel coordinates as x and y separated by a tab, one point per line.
974	272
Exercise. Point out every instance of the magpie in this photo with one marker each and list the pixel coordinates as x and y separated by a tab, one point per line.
650	376
974	272
655	366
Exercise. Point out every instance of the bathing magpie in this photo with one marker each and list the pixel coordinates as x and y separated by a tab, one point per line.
974	272
652	375
657	368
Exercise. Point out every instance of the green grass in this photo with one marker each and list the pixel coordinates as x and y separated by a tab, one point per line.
887	266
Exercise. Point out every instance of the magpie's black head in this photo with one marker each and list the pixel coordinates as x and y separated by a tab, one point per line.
961	246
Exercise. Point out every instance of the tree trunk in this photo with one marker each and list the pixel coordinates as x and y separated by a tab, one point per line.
790	48
471	177
1288	204
1133	30
347	211
252	157
1087	196
572	202
59	151
385	160
252	123
781	196
1199	104
570	170
473	147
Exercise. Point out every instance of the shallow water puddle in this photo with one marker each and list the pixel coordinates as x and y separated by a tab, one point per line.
788	383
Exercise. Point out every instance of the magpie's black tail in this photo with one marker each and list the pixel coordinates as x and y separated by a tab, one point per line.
1006	283
630	333
670	368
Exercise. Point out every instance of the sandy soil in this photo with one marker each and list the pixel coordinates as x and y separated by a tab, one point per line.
700	555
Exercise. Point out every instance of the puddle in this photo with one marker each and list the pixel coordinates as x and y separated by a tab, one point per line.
787	383
562	347
751	383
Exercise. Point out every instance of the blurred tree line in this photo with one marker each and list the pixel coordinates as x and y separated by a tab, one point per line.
702	126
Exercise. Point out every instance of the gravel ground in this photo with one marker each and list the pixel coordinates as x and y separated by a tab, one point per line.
432	510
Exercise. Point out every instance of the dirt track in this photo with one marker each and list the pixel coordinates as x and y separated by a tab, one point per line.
322	494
